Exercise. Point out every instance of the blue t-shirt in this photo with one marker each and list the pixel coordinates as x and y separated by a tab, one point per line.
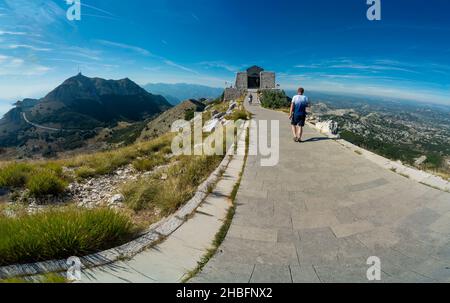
300	104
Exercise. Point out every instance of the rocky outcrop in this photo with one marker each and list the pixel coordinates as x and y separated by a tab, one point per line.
330	128
218	118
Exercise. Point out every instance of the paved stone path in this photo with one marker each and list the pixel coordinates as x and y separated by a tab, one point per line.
323	211
169	261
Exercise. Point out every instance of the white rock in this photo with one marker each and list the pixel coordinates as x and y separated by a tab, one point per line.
116	199
328	127
232	106
219	116
211	125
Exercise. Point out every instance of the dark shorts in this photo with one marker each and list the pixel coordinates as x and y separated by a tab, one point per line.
298	121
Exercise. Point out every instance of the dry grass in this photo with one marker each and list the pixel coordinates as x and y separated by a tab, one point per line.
18	174
239	114
107	162
149	163
168	195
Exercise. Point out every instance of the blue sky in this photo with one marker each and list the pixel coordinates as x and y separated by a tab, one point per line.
325	45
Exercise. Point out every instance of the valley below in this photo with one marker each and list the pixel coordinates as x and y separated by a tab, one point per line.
415	134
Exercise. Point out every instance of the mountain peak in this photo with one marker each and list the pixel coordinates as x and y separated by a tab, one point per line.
80	87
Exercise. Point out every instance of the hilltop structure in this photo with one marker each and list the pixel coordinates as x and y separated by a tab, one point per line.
254	78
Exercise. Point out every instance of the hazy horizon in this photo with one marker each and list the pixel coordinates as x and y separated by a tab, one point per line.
5	105
404	55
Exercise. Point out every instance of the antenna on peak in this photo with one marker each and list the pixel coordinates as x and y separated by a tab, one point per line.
79	71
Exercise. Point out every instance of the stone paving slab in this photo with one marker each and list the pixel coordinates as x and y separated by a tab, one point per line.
253	233
271	274
331	209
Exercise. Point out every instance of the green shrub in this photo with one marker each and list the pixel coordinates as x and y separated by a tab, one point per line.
59	234
15	174
45	182
189	115
434	160
274	99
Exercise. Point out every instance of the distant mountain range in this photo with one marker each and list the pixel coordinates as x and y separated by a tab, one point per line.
76	108
176	93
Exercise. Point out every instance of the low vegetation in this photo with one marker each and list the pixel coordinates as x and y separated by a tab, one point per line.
15	174
58	234
46	182
47	177
43	279
240	114
103	163
274	99
147	164
127	135
40	179
189	115
169	193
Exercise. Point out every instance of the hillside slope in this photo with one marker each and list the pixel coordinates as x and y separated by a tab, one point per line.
163	123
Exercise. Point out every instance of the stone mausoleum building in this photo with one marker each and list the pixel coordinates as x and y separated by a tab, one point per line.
255	78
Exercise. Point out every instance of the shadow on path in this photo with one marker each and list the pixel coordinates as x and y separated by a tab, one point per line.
316	139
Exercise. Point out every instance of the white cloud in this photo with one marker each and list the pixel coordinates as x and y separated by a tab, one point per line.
179	66
97	9
133	48
37	13
195	17
222	65
31	47
86	53
12	66
3	32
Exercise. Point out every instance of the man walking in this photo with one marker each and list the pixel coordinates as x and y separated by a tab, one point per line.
298	114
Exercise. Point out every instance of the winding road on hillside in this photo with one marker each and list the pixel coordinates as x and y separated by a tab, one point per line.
320	214
24	115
